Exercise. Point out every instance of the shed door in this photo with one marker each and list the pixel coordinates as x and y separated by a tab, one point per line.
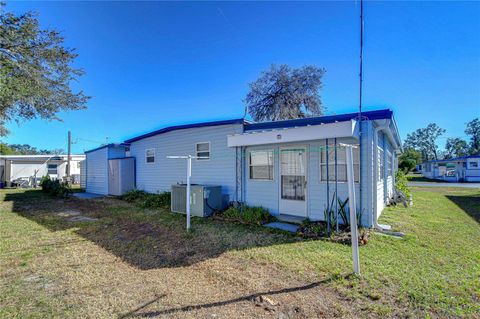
113	177
293	181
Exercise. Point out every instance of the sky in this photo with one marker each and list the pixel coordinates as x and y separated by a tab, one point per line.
155	64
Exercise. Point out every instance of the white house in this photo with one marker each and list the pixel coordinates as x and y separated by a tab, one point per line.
23	169
291	167
459	169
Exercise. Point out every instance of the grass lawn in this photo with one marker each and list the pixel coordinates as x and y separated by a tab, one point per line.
131	262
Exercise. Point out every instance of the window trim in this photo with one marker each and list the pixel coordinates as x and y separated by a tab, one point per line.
273	165
209	151
48	169
338	163
381	159
154	155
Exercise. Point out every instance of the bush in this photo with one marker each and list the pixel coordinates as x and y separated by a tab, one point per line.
133	195
248	215
401	183
147	200
55	187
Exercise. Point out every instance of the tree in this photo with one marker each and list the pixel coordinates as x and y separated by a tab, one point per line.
5	149
284	93
424	140
455	147
35	71
473	129
409	159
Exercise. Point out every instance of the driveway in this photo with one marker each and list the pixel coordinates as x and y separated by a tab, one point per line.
436	184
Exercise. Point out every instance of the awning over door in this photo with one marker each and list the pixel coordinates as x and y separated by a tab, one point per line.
295	134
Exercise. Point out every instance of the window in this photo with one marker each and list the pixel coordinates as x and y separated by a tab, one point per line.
150	155
473	164
341	164
203	151
78	164
381	164
52	169
389	164
261	165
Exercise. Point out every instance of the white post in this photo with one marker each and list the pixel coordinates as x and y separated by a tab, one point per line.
353	210
189	174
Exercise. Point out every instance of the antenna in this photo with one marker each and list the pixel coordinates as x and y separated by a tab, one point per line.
361	60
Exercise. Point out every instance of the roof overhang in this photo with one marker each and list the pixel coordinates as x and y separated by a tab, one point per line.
295	134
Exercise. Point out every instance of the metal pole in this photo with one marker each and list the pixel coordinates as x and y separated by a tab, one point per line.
69	155
189	174
353	212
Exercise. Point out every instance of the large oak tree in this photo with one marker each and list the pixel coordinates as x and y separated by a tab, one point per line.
283	93
36	71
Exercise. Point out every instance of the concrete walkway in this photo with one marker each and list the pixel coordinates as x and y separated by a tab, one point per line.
87	195
435	184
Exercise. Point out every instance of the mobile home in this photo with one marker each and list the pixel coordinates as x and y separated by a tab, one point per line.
22	170
459	169
291	167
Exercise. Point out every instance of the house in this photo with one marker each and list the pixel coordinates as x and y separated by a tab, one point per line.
291	167
459	169
23	169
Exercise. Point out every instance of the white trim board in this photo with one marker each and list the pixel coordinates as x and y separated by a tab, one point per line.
295	134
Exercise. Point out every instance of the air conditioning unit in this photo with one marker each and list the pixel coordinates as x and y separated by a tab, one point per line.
203	199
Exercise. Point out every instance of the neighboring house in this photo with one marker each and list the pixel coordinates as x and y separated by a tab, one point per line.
287	167
23	169
459	169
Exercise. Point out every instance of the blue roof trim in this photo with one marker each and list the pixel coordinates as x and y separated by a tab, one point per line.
453	159
105	146
186	126
370	115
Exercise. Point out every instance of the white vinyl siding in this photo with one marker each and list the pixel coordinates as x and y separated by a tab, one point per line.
161	175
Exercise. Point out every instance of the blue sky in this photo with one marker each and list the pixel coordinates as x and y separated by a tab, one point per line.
153	64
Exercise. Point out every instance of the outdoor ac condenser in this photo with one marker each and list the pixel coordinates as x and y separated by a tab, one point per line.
204	199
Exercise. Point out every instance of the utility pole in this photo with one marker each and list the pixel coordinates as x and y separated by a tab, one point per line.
69	147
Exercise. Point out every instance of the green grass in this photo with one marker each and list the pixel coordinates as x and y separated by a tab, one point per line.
434	271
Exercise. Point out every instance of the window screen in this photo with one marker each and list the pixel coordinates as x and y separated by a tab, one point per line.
203	151
150	155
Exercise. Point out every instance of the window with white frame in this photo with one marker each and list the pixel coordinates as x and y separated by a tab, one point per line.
150	155
261	164
473	164
52	169
78	164
389	164
202	151
381	164
341	169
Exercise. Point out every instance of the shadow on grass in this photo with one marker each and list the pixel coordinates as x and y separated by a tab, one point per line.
144	239
469	204
251	297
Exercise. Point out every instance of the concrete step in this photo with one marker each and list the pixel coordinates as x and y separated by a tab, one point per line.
283	226
291	219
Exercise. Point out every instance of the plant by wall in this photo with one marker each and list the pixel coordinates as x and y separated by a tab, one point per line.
401	183
55	187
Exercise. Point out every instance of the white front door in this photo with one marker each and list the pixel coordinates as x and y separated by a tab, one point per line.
293	181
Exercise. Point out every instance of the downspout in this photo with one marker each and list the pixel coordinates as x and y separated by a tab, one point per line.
383	127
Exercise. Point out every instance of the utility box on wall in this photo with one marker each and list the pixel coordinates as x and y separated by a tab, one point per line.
204	199
121	175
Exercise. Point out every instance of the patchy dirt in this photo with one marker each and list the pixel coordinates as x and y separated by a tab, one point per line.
133	265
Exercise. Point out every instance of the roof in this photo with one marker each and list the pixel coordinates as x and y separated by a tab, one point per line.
455	159
41	157
186	126
370	115
107	145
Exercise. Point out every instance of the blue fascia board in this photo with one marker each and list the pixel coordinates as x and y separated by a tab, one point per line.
370	115
456	159
105	146
186	126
